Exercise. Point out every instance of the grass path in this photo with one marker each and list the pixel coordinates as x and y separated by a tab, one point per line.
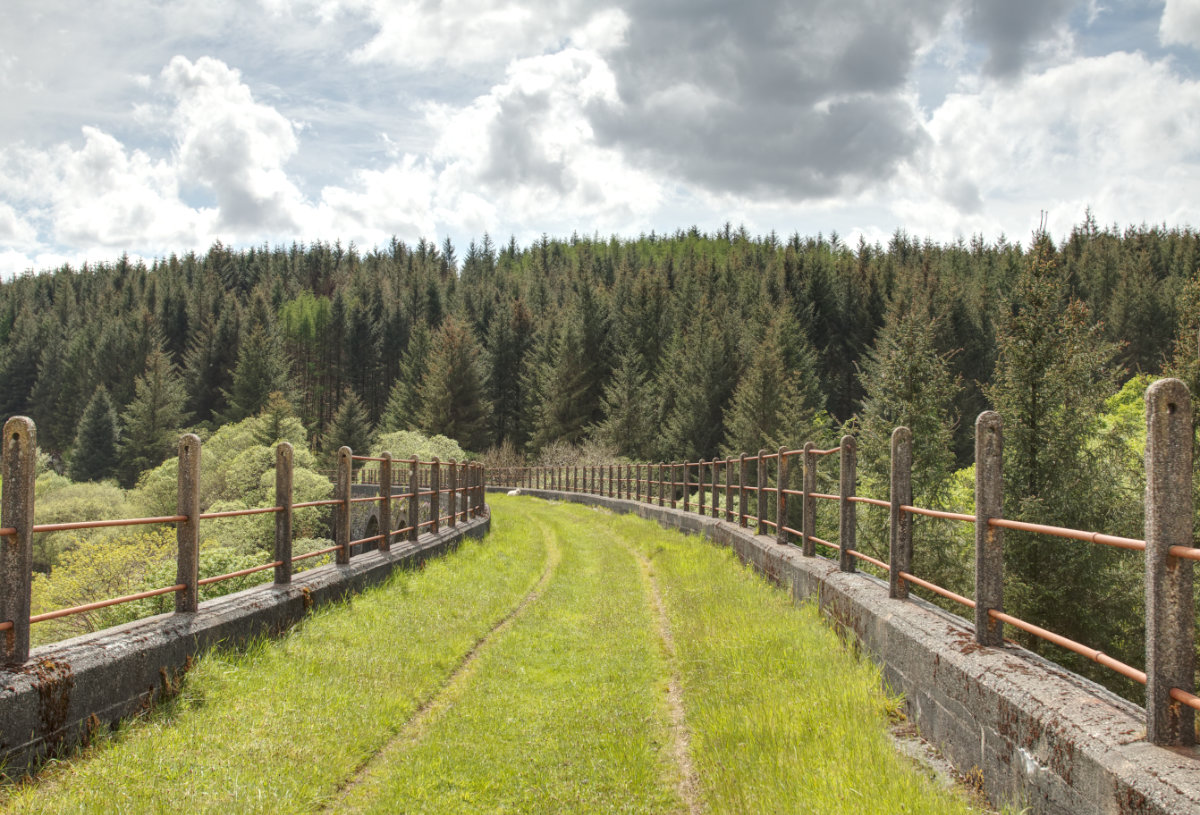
576	661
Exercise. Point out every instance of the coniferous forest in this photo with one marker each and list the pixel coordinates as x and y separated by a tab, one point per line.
663	347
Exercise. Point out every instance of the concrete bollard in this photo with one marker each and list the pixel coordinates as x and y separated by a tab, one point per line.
742	490
808	521
989	540
452	491
284	457
414	499
16	550
847	511
900	539
1170	609
385	505
435	489
781	477
760	494
187	533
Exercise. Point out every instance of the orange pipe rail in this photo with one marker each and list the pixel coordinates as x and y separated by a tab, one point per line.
129	598
1063	532
870	560
1071	645
317	553
165	519
936	589
875	502
240	573
236	513
328	502
937	513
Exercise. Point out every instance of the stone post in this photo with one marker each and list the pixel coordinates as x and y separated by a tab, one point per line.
900	540
808	521
187	533
989	540
1170	613
341	510
283	519
452	490
760	494
662	484
435	489
847	514
702	486
742	490
712	468
611	492
729	489
781	498
385	503
16	550
414	499
686	479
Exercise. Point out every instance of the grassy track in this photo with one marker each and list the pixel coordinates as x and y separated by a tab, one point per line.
280	728
564	712
576	662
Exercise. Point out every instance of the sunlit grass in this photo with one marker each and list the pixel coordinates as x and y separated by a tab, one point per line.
562	713
277	728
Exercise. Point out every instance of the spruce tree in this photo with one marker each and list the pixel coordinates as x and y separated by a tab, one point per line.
1051	380
261	371
695	383
777	401
402	412
152	420
628	424
94	456
452	401
278	421
351	427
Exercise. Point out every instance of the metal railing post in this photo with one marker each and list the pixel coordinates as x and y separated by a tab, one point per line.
284	456
187	533
16	552
1170	610
989	540
900	523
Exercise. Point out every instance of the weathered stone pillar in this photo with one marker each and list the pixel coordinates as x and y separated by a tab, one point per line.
701	486
341	510
187	533
435	489
742	489
16	550
712	466
808	523
900	523
686	481
989	540
414	498
847	511
729	489
385	503
781	483
662	484
760	494
452	490
284	456
1170	612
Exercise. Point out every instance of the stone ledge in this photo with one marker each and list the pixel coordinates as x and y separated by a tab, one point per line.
1043	737
69	688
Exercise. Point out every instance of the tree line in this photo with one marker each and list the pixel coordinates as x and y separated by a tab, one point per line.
661	347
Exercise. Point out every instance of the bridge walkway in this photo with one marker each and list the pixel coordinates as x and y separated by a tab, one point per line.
575	661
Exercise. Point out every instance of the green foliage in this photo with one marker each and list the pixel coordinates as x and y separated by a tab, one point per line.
94	454
403	407
261	372
629	401
409	443
452	399
351	427
152	421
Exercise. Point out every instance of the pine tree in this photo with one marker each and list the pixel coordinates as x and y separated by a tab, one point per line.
628	424
277	421
152	420
350	427
94	456
1051	379
261	371
777	401
452	401
402	410
695	385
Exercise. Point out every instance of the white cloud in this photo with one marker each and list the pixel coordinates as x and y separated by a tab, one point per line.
234	146
1112	132
13	228
1180	23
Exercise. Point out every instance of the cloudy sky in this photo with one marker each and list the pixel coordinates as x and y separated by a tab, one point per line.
160	127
